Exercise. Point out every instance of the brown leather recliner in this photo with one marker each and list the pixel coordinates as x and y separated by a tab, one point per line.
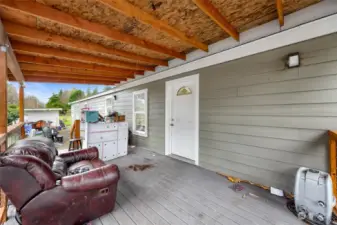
47	189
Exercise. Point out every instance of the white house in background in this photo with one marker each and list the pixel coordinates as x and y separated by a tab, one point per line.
53	114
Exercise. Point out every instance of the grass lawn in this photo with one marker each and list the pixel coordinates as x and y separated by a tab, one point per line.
66	119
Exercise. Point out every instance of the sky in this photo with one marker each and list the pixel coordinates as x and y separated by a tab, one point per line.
43	91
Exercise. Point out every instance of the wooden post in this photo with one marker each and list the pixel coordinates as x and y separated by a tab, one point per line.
21	108
77	129
3	93
3	121
333	161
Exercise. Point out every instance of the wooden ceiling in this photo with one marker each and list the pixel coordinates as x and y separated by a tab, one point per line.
108	41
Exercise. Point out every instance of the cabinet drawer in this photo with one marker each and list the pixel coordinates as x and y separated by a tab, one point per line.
122	125
102	127
104	136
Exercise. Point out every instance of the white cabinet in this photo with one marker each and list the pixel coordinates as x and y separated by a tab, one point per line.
122	146
110	150
99	147
111	139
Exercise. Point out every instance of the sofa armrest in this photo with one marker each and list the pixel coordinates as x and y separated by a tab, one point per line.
92	180
79	155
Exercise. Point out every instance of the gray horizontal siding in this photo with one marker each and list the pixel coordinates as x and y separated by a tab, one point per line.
262	126
259	120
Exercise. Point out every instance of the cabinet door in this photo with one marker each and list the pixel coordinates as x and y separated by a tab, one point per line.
109	150
99	147
122	146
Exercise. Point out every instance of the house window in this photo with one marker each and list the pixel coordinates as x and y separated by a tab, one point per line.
139	115
108	106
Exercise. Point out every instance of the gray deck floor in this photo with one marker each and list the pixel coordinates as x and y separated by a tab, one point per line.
177	193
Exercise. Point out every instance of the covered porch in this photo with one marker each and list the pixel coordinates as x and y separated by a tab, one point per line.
53	41
174	192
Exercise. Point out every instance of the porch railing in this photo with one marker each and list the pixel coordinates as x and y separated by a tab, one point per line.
6	140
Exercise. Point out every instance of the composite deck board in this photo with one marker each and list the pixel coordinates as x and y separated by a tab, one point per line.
121	217
108	219
148	212
175	192
132	211
180	193
205	211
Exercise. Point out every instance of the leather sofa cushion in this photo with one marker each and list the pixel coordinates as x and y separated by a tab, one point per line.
98	178
79	155
60	167
85	165
38	169
39	147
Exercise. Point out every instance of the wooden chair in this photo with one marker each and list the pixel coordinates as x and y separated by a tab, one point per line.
75	144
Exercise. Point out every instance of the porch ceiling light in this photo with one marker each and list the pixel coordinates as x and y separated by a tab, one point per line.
293	60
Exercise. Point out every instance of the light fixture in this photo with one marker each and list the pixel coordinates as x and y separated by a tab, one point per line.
293	60
115	97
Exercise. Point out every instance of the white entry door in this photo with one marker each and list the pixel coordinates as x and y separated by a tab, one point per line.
182	117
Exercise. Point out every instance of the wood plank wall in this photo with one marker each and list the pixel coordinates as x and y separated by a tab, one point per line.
258	119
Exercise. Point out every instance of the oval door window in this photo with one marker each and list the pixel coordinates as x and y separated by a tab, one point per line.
184	91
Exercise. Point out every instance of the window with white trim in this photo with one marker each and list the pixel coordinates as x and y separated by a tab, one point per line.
139	113
108	105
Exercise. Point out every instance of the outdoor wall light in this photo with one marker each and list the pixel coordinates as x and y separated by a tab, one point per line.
115	97
293	60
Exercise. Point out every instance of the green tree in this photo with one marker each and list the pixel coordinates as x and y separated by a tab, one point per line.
12	94
76	95
12	113
107	88
95	91
55	102
88	93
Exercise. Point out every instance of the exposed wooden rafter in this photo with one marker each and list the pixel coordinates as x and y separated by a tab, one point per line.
34	8
279	6
208	8
48	68
69	64
12	63
58	53
130	10
64	80
70	76
14	29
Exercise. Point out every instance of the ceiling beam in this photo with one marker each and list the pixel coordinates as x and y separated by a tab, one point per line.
70	64
209	9
279	6
34	8
14	29
48	68
12	63
67	81
130	10
70	76
58	53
